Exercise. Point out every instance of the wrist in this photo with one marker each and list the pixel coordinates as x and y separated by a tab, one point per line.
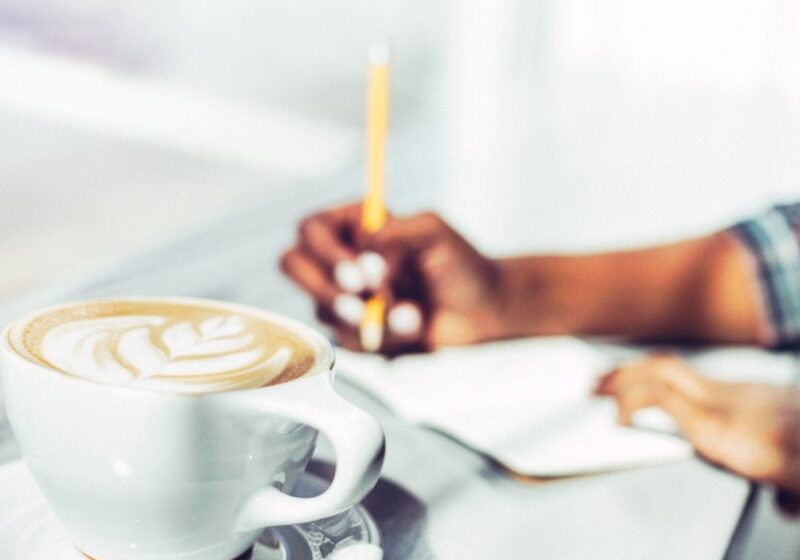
535	296
490	321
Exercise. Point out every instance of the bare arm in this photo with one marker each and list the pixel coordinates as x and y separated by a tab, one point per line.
696	290
700	289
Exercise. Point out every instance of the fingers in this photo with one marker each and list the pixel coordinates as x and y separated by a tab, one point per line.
633	386
340	308
373	268
405	320
333	235
329	263
349	276
414	233
688	398
660	380
321	237
403	325
326	240
349	309
683	379
330	238
309	275
697	423
662	368
405	329
638	397
335	240
401	328
606	385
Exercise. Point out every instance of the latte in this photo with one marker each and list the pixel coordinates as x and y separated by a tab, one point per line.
168	345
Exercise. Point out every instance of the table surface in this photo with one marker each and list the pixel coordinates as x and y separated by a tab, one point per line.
438	498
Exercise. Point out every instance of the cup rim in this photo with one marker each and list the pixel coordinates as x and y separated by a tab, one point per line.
326	358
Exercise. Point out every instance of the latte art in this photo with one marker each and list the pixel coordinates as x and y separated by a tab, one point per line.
125	349
168	346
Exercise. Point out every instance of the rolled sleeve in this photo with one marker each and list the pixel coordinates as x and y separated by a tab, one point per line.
772	241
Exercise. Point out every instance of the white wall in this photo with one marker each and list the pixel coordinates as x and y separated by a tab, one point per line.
303	55
570	124
588	125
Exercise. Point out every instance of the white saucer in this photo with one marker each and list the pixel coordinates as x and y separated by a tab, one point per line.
29	531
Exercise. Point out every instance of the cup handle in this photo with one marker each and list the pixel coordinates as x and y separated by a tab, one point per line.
356	437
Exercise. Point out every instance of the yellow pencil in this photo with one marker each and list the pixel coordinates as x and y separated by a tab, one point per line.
373	214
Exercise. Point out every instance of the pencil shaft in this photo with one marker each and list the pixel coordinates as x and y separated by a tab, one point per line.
374	211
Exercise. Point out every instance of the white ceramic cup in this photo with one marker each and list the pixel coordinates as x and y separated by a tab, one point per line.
143	475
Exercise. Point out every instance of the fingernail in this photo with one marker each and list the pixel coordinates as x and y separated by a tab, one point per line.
373	268
405	319
349	276
349	309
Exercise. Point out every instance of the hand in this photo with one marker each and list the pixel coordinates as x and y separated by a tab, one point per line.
750	429
440	290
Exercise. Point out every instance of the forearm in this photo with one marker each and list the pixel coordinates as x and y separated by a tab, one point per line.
693	290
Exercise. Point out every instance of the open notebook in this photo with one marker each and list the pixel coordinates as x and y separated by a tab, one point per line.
525	403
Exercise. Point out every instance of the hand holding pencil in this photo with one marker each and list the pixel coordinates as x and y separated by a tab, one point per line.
437	289
388	284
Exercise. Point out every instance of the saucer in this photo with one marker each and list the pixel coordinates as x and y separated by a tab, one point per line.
30	531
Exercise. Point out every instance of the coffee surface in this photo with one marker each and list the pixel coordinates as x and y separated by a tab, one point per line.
168	345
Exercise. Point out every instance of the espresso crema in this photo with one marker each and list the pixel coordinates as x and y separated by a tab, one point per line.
168	345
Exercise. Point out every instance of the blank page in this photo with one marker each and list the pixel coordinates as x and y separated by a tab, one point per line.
526	403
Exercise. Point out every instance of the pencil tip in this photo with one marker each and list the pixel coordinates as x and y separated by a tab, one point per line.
371	337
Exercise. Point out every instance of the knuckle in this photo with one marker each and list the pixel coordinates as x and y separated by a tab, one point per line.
305	226
624	378
285	261
430	218
344	214
674	361
663	363
665	360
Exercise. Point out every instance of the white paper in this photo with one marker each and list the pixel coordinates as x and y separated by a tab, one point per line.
526	403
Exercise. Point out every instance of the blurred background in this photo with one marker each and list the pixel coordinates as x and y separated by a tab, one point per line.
555	126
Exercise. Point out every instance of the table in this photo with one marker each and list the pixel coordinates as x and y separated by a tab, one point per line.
437	498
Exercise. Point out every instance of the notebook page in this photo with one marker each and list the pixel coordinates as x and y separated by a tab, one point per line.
526	403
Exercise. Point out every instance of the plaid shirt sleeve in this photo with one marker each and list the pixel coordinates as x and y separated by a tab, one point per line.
773	241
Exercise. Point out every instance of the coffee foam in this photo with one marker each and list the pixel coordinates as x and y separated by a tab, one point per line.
167	345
